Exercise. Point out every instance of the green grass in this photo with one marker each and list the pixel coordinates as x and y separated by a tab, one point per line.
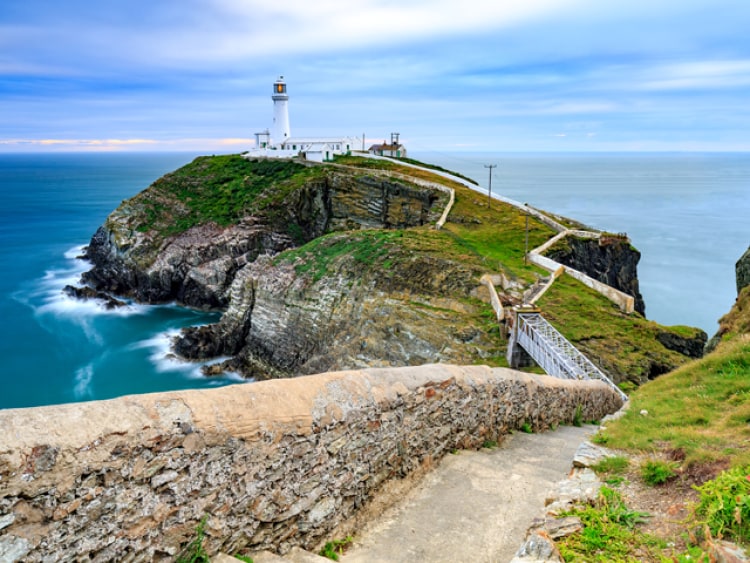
657	472
623	345
724	505
333	549
497	234
435	167
701	410
609	533
218	189
614	465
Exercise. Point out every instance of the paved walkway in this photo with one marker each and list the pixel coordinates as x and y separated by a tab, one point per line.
476	506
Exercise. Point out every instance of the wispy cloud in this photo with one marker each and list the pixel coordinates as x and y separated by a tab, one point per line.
144	75
717	74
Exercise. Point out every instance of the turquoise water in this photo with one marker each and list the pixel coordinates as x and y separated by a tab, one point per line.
56	349
688	214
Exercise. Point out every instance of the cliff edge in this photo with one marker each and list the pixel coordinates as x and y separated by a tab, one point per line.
320	267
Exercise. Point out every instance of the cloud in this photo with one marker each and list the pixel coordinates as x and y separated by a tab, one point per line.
690	75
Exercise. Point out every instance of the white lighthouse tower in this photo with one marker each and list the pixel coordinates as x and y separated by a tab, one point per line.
278	142
280	131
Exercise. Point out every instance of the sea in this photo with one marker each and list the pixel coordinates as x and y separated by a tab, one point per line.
688	213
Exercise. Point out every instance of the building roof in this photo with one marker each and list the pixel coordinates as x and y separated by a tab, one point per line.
386	147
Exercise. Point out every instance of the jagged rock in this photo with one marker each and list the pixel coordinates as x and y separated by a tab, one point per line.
588	455
13	548
742	269
611	260
538	548
277	320
557	528
85	293
581	486
726	552
281	322
197	266
691	346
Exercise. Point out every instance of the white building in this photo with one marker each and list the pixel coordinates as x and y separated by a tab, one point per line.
392	149
278	142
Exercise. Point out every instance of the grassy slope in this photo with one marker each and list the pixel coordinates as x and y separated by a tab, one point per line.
219	189
615	341
695	421
701	409
223	189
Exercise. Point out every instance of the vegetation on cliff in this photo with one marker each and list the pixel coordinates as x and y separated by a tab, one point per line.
356	261
686	436
218	189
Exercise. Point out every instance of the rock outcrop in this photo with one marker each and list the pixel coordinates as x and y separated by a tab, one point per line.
141	252
282	321
610	259
362	300
742	269
690	345
325	267
737	320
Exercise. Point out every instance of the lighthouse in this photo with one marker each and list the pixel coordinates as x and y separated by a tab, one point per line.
280	131
278	142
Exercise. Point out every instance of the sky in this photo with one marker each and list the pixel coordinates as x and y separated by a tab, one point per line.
448	75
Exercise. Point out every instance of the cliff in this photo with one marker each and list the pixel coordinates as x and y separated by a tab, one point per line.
743	271
610	259
186	236
737	320
338	266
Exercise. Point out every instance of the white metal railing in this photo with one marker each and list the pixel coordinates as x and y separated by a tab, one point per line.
554	354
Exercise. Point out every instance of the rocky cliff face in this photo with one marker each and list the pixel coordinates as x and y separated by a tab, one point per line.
361	299
140	253
737	320
611	260
287	318
743	271
328	267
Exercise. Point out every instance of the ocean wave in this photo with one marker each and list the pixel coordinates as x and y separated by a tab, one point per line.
164	359
46	295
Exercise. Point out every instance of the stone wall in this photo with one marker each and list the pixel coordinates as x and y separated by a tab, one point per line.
272	464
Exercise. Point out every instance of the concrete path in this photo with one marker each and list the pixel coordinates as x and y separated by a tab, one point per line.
475	506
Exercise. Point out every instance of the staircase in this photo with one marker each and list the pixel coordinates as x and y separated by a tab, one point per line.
554	354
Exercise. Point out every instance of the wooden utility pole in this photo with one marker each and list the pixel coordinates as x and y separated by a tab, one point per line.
526	253
489	191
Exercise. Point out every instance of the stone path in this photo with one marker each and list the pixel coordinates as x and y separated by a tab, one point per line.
476	506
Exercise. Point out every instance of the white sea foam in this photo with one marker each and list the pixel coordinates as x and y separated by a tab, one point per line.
83	377
165	360
47	296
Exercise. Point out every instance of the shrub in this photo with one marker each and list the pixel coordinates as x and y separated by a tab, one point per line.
724	506
655	472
